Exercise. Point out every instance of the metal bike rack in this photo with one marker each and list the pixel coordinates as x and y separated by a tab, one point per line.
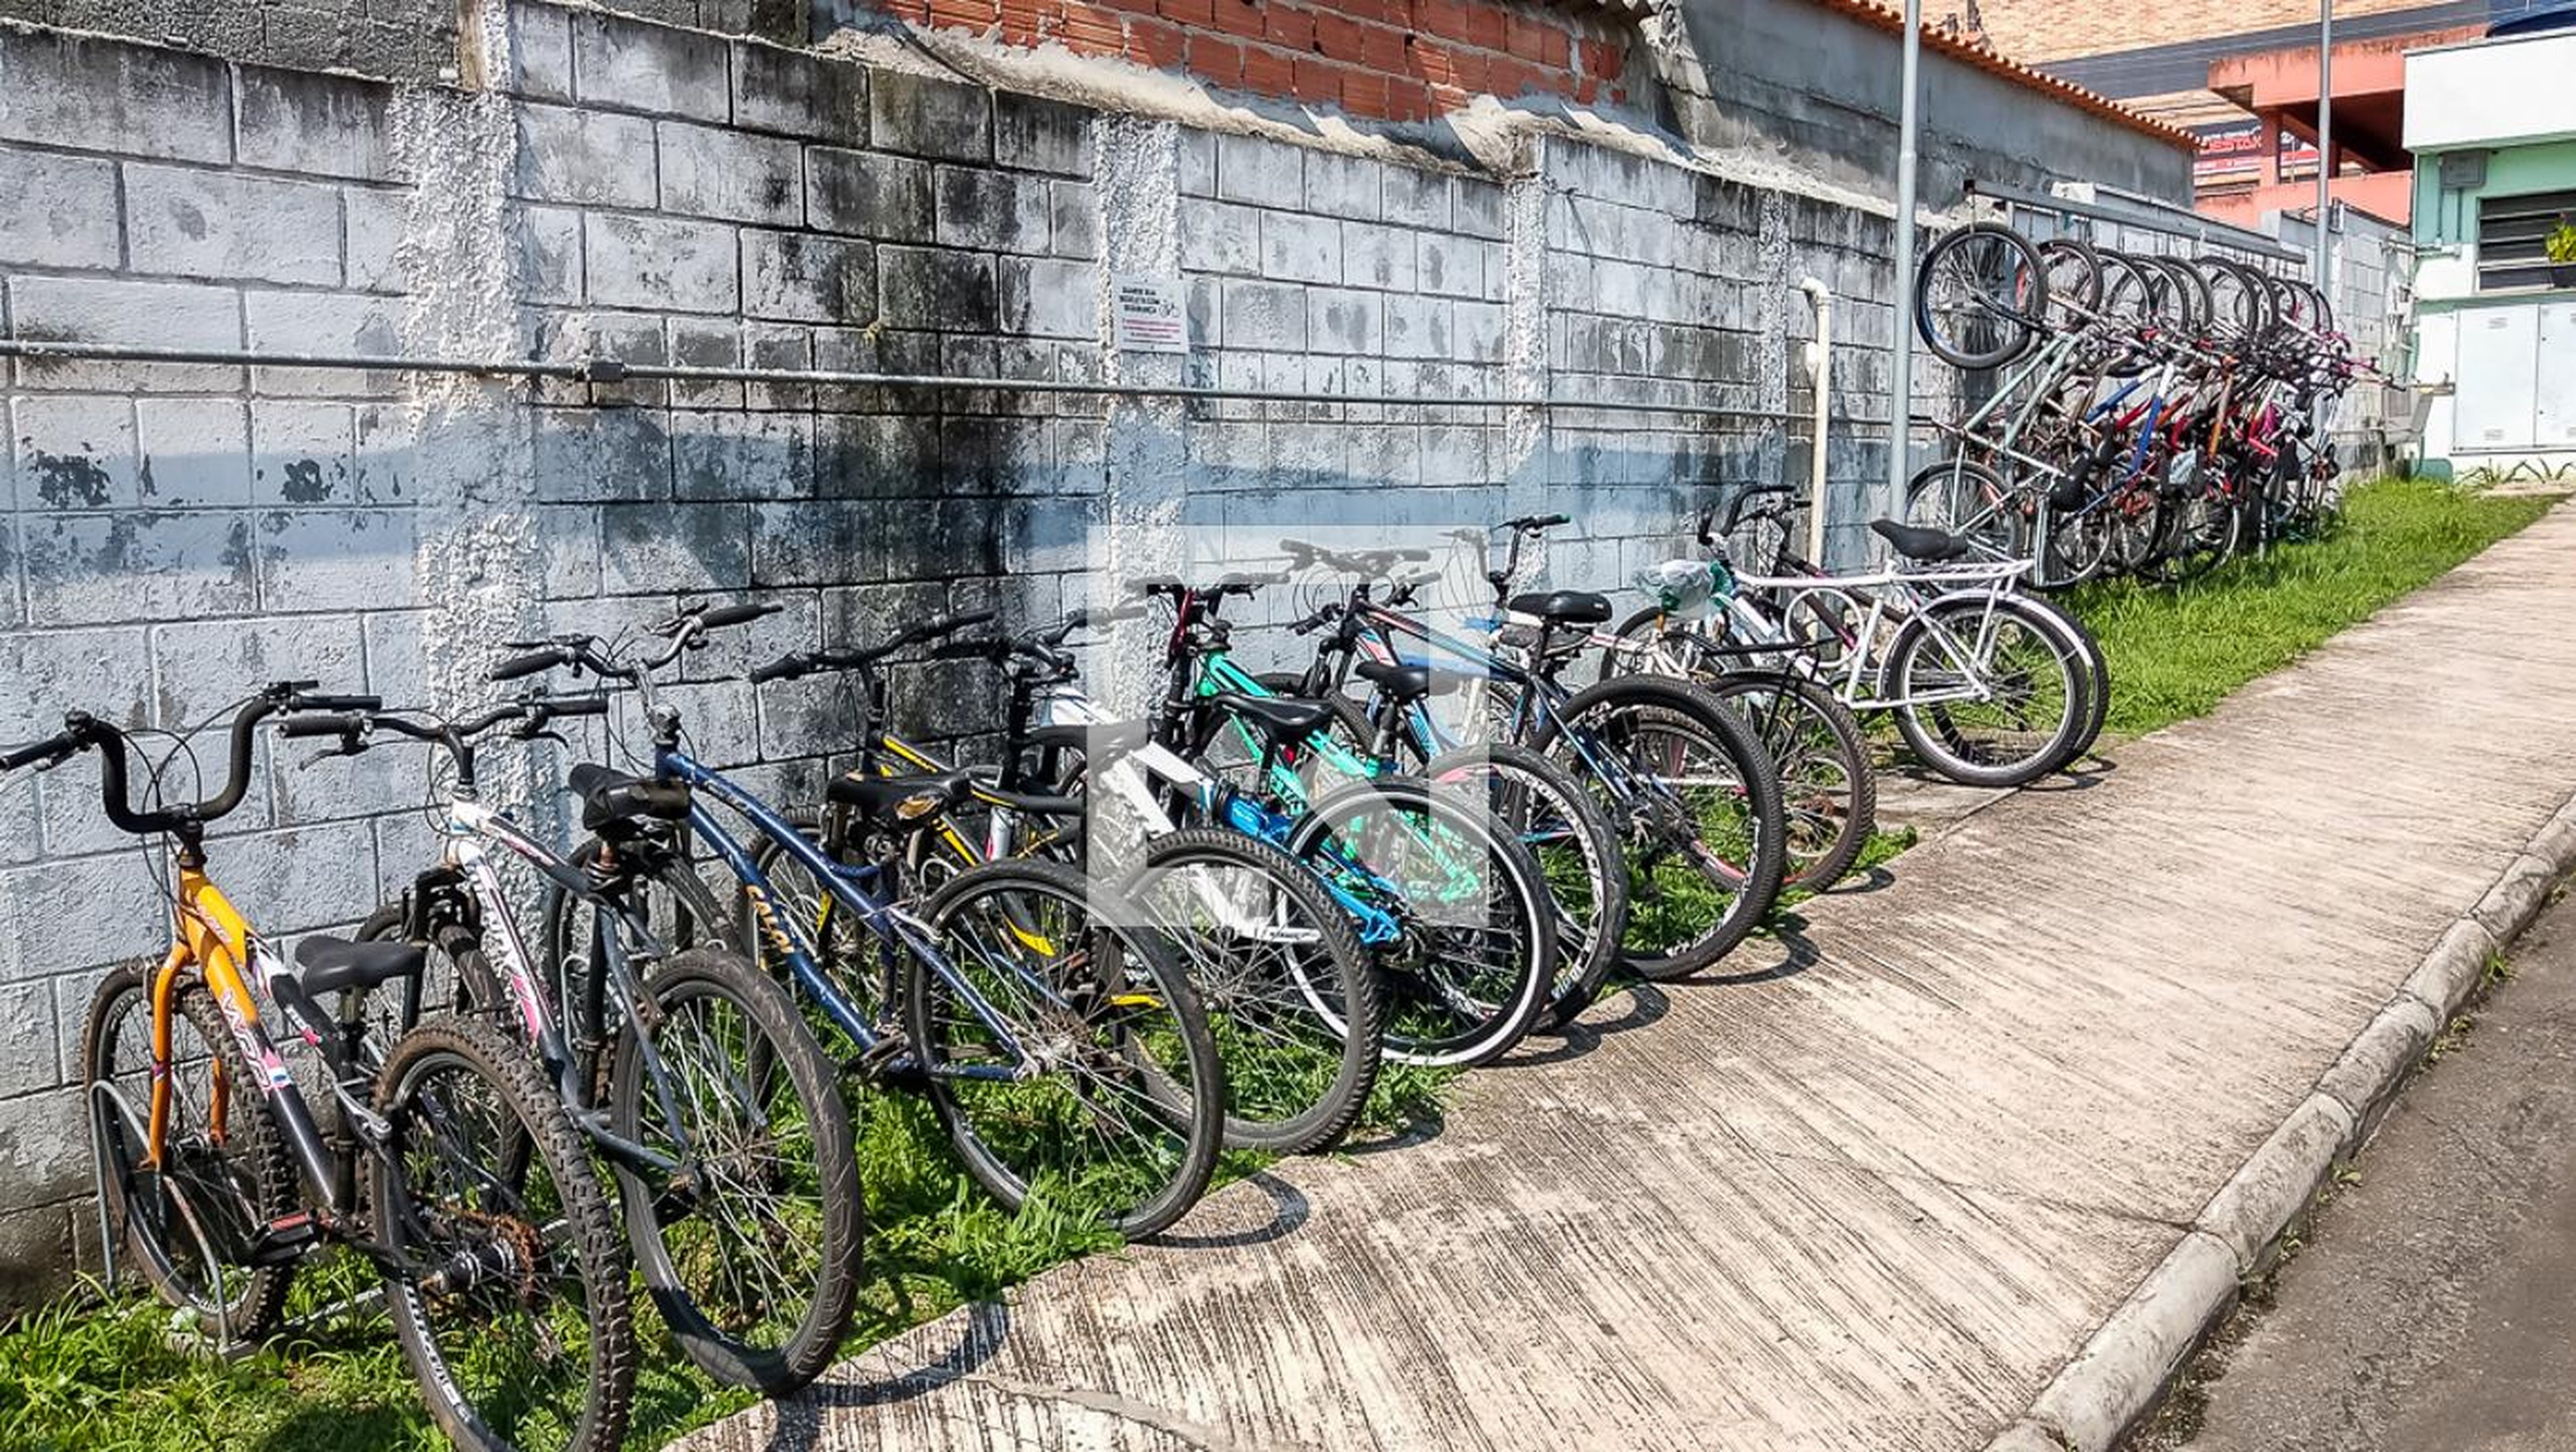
2140	212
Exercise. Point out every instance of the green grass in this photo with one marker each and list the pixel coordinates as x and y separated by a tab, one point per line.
2176	653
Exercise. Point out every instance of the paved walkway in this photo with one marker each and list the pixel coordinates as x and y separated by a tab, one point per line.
1872	1193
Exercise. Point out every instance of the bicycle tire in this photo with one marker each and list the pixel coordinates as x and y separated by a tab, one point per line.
2097	667
1573	839
1195	1110
1807	765
775	1365
2012	316
1654	825
262	1175
1962	497
1931	731
1490	1015
580	1224
1336	986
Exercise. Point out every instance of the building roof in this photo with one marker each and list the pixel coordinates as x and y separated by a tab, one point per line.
1892	20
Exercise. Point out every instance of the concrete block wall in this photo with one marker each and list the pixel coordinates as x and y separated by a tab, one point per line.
172	535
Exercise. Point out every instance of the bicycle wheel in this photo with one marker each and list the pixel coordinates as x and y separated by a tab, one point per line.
1978	295
1579	860
188	1224
1828	794
1699	801
1293	1001
1473	947
2074	277
514	1318
2097	671
751	1249
1988	694
1965	498
1066	1054
2200	533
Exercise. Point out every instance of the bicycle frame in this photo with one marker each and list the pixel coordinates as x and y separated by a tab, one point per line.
210	935
895	929
470	826
1869	596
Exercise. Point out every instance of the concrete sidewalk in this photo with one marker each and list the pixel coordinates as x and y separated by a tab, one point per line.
1874	1191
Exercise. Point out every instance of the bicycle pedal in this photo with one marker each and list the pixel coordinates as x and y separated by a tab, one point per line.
284	1240
890	1064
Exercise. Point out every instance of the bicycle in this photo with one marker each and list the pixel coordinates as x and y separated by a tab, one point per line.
1693	794
448	1165
1037	1015
1294	1002
691	1074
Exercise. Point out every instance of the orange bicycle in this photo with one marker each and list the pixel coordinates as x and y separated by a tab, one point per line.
445	1161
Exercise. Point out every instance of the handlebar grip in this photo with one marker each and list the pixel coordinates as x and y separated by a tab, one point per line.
783	669
740	613
977	649
333	725
339	703
35	751
1093	617
1539	521
528	665
571	705
950	625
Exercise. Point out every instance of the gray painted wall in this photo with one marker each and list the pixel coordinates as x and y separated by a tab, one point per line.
1821	89
172	535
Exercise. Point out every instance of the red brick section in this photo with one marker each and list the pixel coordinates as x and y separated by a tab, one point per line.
1393	60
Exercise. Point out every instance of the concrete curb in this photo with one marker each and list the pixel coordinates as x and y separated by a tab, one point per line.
2120	1373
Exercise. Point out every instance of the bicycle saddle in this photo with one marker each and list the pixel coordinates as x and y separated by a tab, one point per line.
1406	682
1926	546
328	965
1284	719
610	797
1564	607
900	798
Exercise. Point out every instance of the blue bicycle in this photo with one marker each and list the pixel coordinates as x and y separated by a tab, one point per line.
1053	1031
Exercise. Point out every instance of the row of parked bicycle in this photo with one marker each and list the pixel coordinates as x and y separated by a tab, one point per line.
2136	415
1123	949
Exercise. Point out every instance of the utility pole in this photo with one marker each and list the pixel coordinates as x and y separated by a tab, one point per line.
2325	139
1901	384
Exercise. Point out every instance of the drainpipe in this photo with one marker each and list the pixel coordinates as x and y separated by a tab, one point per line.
1820	373
1900	412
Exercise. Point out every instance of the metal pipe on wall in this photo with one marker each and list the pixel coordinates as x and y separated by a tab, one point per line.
1901	380
1820	372
610	372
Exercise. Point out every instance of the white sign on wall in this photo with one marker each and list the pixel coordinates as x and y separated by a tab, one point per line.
1150	315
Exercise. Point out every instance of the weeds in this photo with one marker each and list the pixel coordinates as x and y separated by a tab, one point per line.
2176	653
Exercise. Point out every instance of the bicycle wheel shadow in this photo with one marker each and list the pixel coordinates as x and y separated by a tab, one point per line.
1641	1004
1236	1223
1781	950
856	1386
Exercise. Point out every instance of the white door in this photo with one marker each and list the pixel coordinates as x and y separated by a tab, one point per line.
2497	375
2554	411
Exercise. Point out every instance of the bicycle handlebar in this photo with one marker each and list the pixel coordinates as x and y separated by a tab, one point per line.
805	663
82	732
